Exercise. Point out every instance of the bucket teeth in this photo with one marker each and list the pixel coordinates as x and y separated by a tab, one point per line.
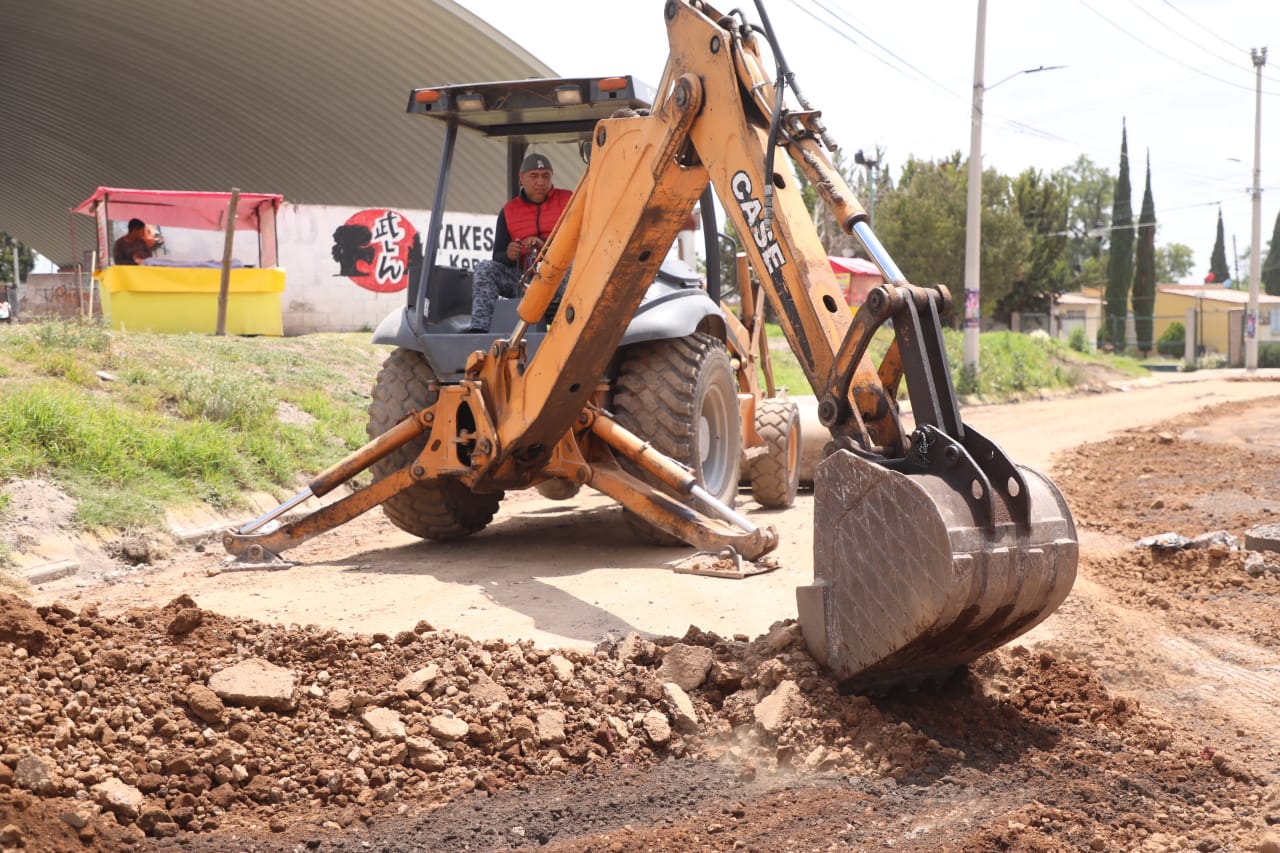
908	585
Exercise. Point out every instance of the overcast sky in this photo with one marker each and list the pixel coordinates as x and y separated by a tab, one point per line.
898	75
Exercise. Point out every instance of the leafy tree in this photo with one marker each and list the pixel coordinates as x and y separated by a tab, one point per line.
1218	258
1042	203
1089	189
922	224
1174	262
1144	278
1006	251
1093	273
26	259
1174	340
1271	266
1120	257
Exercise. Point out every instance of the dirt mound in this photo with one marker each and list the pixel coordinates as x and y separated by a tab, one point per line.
42	507
1182	476
20	627
127	732
127	727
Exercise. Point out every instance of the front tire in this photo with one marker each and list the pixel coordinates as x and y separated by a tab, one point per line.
775	474
434	509
681	396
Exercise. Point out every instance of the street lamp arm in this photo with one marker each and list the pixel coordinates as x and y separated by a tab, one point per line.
1024	71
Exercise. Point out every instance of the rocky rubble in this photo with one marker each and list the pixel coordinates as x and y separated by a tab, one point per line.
180	723
178	720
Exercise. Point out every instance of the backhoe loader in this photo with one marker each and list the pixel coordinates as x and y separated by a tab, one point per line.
931	546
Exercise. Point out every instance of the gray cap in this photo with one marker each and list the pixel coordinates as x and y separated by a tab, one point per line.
536	161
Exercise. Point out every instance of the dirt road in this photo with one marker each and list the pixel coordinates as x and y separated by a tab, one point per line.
1141	716
567	573
563	574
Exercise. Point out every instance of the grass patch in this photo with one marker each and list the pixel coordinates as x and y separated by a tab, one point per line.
1125	364
1011	366
132	424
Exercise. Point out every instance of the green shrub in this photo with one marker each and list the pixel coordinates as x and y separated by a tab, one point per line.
1078	340
1173	342
1269	354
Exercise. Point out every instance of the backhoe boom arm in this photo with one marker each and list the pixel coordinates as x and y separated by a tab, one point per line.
931	546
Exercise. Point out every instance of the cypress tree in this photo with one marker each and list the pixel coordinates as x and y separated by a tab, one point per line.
1271	267
1144	278
1120	258
1218	260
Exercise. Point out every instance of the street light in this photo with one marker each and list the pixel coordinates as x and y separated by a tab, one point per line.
973	206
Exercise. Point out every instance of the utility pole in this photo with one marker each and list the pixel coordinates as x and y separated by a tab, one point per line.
973	201
973	205
1255	265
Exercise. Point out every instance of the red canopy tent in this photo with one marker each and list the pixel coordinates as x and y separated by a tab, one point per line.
856	276
181	295
199	211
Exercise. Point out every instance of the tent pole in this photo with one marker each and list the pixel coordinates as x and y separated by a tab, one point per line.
225	285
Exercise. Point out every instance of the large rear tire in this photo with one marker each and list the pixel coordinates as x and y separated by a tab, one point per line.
435	509
775	474
681	396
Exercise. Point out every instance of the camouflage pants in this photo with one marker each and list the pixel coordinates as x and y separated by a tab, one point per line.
490	280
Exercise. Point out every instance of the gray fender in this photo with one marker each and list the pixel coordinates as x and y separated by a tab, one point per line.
394	330
672	312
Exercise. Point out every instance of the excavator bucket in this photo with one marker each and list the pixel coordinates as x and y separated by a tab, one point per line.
914	578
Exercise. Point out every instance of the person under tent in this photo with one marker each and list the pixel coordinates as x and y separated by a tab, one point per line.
139	243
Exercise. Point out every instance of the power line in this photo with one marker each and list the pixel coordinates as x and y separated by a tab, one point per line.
1172	59
1211	32
1192	42
837	16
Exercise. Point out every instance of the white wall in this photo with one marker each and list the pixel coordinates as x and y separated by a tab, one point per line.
318	297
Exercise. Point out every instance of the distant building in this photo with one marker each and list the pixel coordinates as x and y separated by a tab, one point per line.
1078	310
1219	317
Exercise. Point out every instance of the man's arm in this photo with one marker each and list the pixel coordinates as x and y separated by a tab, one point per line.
501	239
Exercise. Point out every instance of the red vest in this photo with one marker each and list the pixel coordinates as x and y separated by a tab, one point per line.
526	219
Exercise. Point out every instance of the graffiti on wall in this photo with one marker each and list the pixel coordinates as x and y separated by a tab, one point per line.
380	249
375	249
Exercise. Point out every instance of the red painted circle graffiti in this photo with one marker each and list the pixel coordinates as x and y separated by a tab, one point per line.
374	249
